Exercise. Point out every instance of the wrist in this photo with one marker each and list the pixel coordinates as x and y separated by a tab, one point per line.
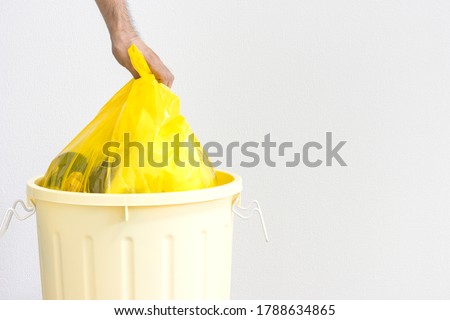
121	41
123	37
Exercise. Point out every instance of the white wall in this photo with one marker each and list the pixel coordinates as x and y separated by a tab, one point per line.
375	73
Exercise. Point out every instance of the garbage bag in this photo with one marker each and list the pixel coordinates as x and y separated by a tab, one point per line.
137	143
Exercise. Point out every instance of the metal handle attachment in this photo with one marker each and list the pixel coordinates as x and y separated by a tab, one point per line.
13	212
252	208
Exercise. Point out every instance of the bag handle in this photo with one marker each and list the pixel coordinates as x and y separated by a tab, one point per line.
138	61
13	212
252	208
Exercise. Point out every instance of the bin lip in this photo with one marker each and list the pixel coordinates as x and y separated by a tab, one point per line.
231	188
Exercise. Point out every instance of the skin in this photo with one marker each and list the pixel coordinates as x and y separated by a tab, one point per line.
123	34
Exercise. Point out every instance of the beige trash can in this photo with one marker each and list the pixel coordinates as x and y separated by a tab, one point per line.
173	245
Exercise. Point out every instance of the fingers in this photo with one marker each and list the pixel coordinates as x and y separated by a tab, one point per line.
133	72
162	74
121	56
167	78
130	68
170	80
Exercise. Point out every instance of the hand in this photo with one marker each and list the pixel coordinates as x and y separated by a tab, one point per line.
120	45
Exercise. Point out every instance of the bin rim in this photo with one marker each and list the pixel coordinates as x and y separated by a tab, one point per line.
230	184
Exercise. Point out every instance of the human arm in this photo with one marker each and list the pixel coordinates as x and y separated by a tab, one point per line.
123	34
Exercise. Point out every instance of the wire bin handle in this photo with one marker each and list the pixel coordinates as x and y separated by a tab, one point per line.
252	208
13	212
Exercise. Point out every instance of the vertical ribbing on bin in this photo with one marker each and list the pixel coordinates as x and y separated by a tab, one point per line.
127	255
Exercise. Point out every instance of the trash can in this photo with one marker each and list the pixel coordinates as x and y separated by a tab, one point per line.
174	245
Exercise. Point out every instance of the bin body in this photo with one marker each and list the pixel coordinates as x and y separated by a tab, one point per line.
162	250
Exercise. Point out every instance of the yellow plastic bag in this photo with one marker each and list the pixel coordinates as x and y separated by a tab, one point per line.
137	143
